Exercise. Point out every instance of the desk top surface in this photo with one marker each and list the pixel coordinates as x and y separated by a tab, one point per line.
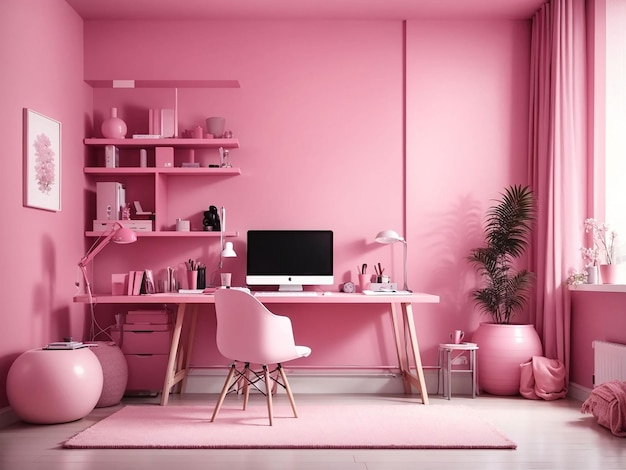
321	298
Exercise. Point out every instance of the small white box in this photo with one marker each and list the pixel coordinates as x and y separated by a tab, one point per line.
383	286
135	225
164	157
111	156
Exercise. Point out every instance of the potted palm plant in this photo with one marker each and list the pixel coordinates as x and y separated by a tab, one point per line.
504	292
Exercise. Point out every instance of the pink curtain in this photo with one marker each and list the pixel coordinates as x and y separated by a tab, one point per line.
557	144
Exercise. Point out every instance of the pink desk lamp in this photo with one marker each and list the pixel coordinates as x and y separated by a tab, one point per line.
117	234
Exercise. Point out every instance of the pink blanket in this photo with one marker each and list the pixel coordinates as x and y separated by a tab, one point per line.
607	403
542	378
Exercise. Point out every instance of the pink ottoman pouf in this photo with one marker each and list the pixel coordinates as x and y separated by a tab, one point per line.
114	372
54	386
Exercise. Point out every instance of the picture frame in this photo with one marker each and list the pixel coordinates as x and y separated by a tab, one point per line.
42	161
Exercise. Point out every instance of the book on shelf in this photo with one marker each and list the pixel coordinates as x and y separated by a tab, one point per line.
147	136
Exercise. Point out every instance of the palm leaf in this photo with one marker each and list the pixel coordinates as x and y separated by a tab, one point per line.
508	228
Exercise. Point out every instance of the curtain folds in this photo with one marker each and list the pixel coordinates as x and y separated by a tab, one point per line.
557	162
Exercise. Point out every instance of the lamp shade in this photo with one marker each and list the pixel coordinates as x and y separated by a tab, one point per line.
117	234
124	236
388	236
228	251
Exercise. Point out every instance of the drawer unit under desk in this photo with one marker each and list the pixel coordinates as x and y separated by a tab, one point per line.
143	339
146	372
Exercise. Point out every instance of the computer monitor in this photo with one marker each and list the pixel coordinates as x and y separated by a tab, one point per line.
289	259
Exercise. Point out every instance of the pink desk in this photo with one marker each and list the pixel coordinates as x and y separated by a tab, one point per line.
178	361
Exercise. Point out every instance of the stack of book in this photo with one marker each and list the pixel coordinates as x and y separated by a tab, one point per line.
67	345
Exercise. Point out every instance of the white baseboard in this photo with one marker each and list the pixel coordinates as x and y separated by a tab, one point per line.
578	392
333	381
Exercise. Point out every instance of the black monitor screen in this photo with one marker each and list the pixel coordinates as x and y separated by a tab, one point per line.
285	256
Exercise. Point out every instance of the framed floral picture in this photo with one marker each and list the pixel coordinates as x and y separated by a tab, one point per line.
42	161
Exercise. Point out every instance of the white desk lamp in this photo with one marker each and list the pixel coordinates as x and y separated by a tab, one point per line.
391	236
227	250
117	234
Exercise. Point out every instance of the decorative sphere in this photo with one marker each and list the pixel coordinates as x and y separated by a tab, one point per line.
54	386
113	127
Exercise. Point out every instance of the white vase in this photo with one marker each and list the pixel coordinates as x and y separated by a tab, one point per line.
592	275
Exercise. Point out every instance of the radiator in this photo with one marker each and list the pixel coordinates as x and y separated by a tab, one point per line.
609	362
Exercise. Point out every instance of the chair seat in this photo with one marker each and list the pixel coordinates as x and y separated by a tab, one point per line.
303	351
248	333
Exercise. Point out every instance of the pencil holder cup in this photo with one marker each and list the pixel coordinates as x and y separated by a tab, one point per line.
192	279
364	281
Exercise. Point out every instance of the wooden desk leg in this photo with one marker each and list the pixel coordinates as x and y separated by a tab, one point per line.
170	372
407	312
190	339
404	370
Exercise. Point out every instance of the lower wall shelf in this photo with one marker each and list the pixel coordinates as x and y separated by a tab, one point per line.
172	234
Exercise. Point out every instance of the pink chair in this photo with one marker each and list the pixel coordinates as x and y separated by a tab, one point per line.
249	333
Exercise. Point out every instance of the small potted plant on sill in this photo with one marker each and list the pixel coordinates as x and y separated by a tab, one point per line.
504	292
604	242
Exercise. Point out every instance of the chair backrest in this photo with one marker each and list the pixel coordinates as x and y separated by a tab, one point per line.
248	332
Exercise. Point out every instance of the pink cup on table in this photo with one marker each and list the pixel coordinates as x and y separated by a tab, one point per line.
457	336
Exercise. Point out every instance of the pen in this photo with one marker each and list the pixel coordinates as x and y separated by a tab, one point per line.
364	268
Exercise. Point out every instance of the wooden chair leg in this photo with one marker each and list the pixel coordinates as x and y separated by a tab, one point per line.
288	390
246	385
268	393
229	377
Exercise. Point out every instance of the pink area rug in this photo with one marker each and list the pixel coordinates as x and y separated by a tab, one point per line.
376	426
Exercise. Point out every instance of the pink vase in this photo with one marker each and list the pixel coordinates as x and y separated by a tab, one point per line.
502	349
113	127
608	273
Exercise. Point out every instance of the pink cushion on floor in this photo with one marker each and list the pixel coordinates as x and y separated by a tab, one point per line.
114	371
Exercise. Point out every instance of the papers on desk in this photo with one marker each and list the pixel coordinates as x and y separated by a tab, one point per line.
387	292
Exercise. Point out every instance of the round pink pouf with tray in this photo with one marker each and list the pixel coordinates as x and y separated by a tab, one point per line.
54	386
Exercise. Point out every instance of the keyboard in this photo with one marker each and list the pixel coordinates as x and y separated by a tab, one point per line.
286	294
387	292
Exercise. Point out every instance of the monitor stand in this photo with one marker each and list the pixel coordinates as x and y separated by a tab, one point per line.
290	288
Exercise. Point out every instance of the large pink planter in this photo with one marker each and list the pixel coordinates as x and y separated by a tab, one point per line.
502	348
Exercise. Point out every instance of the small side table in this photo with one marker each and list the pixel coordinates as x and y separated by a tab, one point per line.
445	365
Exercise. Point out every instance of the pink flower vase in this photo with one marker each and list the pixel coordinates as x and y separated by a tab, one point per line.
113	127
608	273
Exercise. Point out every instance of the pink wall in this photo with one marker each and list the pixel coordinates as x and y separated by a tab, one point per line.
41	52
595	316
320	118
467	126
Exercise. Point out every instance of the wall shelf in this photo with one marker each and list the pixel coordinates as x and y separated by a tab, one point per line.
121	171
172	234
169	142
163	83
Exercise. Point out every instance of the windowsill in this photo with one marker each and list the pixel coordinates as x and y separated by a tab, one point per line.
598	288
